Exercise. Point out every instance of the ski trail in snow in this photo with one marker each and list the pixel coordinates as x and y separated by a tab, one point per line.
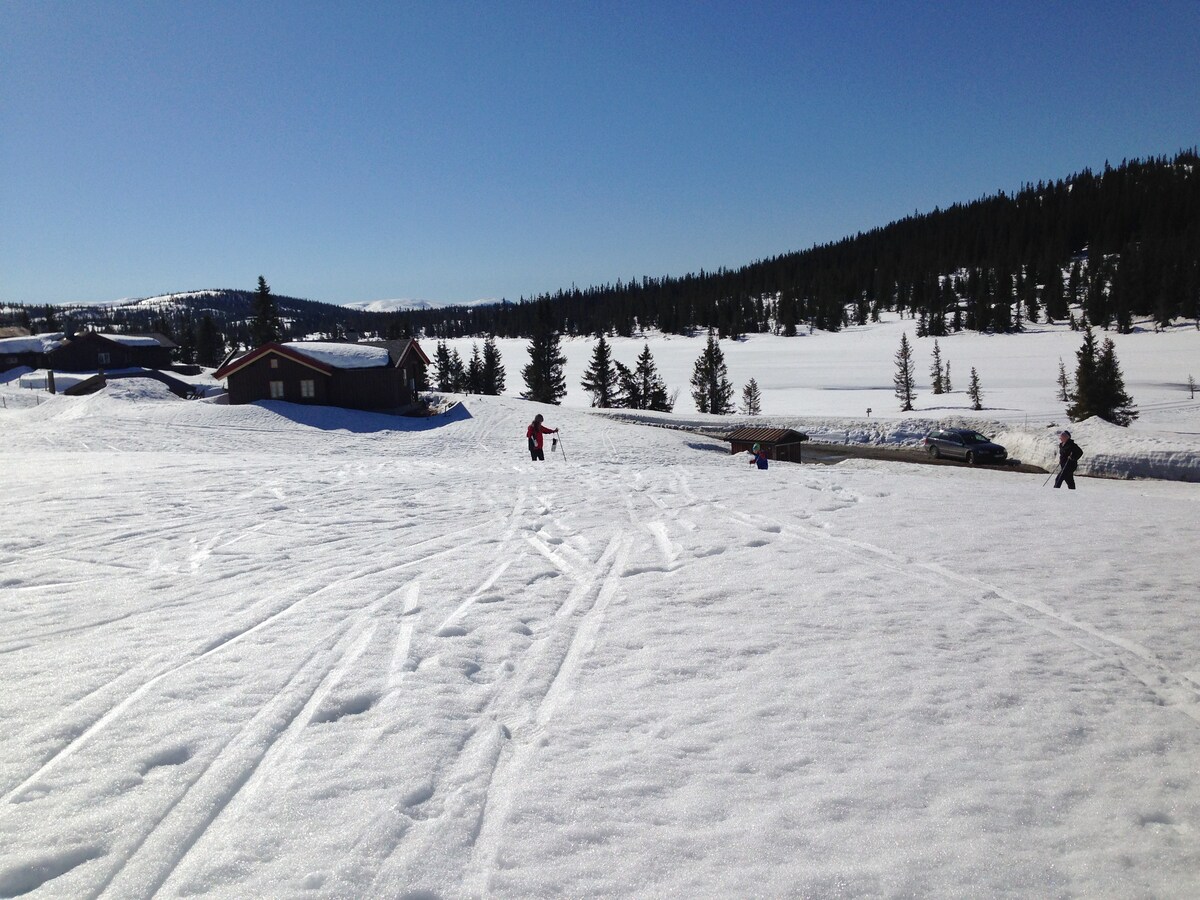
399	662
223	642
516	755
144	868
1170	687
465	785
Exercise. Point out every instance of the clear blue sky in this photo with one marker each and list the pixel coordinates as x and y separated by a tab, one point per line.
446	151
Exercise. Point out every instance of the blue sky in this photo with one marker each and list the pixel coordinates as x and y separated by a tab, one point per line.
445	151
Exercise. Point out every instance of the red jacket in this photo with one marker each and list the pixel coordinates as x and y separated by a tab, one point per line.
536	431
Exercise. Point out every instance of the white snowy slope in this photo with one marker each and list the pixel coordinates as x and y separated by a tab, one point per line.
275	651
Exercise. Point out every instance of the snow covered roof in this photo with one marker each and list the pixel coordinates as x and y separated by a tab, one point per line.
131	340
342	356
37	343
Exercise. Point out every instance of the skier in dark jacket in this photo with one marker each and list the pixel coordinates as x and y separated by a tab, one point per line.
1068	458
534	433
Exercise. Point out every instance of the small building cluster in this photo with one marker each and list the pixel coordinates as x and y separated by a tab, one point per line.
88	351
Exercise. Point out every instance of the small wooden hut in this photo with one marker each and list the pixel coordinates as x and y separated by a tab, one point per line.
780	443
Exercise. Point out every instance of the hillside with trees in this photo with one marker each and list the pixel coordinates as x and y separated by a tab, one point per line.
1122	244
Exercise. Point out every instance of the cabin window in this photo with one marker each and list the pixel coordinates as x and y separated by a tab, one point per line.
103	359
274	363
276	390
308	388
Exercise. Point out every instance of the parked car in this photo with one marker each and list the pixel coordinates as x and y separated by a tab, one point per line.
963	443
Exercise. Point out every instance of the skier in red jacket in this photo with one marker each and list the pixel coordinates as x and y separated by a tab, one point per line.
534	433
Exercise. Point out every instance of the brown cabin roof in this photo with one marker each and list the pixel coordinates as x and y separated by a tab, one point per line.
763	435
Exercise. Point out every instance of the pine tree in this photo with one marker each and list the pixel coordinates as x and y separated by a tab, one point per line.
210	344
600	380
493	369
974	392
458	373
1115	405
711	388
544	381
946	385
265	326
905	378
1191	386
51	323
652	388
474	379
1064	382
751	399
939	384
441	360
1084	399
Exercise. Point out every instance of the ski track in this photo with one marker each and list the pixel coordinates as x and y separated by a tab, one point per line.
463	786
143	869
307	591
1169	687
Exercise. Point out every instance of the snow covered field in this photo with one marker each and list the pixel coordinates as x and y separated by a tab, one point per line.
282	651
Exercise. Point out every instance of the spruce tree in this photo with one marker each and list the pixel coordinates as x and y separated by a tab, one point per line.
600	380
939	385
265	326
1114	403
1064	382
946	385
652	388
474	379
493	369
210	345
974	391
905	377
1191	386
458	373
441	360
751	399
544	381
1084	397
711	388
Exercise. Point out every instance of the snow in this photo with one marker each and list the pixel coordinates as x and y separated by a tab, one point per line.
342	356
274	650
824	383
38	343
130	340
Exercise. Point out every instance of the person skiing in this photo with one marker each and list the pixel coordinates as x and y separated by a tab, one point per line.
759	456
1068	458
534	433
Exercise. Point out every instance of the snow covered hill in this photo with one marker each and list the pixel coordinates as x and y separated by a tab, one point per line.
291	651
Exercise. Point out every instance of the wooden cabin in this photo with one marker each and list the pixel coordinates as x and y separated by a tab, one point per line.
375	375
779	443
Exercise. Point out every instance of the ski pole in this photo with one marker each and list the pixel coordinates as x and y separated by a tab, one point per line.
1051	475
561	446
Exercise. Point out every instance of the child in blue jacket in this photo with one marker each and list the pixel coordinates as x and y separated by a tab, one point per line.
759	456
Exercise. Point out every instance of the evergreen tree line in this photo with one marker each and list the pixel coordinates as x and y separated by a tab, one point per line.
1123	243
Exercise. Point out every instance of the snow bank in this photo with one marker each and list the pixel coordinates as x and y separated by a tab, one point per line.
1109	451
342	356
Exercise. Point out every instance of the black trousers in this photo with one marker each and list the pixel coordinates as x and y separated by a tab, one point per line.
535	453
1067	475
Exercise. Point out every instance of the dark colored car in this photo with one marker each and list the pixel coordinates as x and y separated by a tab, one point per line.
963	443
